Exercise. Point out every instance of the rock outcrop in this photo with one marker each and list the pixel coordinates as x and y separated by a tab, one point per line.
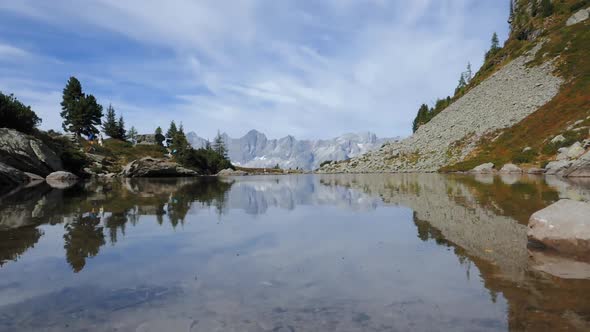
578	17
27	154
580	167
154	167
563	226
11	177
501	101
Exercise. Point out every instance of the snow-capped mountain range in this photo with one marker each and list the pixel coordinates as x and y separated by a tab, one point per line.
255	150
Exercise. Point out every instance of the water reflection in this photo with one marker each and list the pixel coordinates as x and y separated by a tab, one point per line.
280	245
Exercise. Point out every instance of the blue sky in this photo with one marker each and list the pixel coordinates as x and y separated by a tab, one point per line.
309	68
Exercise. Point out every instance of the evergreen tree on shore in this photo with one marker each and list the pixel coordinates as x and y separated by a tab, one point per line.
81	113
121	132
160	138
219	145
171	133
109	126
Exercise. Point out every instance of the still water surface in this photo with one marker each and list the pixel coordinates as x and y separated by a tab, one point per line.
289	253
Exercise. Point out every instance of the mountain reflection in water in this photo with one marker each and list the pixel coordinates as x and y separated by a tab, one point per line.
268	249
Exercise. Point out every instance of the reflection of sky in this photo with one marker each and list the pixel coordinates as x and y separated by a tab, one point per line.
308	252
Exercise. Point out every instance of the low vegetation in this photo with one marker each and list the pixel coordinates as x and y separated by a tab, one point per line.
15	115
570	46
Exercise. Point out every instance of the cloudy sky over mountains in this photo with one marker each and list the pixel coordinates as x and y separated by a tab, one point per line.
308	68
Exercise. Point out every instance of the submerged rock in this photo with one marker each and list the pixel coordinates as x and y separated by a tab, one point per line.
61	179
27	153
154	167
563	226
484	168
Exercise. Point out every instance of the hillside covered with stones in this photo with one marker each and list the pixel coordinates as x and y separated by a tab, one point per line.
528	104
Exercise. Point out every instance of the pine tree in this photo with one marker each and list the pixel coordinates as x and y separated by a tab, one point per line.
132	135
468	73
109	126
171	133
219	145
121	132
159	136
495	47
462	84
421	117
81	113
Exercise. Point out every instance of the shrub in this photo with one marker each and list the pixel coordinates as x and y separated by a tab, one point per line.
204	161
579	5
525	157
15	115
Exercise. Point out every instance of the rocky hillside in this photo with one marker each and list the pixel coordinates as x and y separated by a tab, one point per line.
530	91
255	150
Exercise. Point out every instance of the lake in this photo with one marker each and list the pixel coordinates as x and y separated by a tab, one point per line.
404	252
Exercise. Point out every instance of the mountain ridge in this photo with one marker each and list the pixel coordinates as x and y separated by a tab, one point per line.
256	150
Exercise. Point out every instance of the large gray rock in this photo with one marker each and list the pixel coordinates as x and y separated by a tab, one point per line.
563	226
575	151
557	167
511	168
153	167
11	177
484	168
580	168
27	153
578	17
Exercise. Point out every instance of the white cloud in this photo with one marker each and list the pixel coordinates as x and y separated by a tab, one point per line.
312	69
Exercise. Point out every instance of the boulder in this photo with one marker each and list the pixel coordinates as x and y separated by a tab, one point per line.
576	150
558	139
557	167
579	16
563	226
580	167
510	168
231	172
27	153
61	179
11	177
484	168
154	167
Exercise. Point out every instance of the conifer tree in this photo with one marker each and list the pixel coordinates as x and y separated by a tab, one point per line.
81	113
121	132
219	145
110	126
468	73
159	136
171	133
132	135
